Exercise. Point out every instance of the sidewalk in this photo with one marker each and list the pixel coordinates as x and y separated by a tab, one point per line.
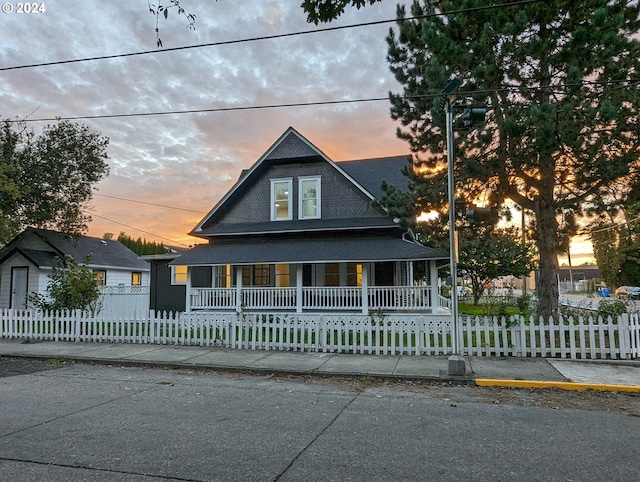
483	371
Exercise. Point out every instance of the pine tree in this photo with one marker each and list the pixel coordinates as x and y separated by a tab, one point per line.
560	81
141	246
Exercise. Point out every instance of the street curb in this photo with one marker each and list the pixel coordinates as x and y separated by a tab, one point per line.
248	370
491	382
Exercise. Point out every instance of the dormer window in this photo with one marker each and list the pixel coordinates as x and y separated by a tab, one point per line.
309	200
281	192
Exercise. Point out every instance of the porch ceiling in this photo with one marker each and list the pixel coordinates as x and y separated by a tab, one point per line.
269	251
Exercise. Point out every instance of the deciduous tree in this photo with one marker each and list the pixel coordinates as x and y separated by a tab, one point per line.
162	8
47	180
489	252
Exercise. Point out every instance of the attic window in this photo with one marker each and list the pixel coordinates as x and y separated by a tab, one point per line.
281	192
309	202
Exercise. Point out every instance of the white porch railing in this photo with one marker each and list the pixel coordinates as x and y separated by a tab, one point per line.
404	297
318	298
330	298
269	298
206	298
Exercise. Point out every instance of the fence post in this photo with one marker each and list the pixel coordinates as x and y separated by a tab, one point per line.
624	335
321	337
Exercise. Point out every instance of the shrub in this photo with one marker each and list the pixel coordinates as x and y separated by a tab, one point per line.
612	308
72	286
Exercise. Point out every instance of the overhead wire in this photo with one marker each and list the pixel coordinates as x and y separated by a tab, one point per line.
138	229
270	37
149	204
321	103
294	104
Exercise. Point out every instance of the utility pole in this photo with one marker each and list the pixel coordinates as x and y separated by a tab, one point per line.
456	364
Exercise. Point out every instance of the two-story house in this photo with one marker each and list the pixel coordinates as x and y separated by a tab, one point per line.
299	232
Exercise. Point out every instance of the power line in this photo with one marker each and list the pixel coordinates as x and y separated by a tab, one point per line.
329	102
269	37
201	111
138	229
149	204
615	226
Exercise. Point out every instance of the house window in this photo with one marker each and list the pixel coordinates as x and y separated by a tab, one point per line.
261	274
281	192
223	276
256	275
179	275
136	279
100	276
354	274
309	199
282	275
332	274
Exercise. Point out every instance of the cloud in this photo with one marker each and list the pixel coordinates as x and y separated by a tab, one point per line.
190	160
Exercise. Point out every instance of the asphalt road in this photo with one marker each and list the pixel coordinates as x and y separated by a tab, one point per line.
69	422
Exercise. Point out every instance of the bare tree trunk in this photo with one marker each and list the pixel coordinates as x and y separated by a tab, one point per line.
547	243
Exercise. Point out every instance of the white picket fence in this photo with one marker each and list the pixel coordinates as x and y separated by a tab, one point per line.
378	333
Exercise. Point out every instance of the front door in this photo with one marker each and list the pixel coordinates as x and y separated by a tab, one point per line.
19	278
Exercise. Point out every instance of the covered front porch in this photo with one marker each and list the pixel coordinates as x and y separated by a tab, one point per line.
350	274
332	287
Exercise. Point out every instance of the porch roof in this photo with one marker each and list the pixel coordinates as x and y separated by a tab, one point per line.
330	250
295	226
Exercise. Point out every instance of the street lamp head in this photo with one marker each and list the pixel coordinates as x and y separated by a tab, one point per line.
451	86
448	90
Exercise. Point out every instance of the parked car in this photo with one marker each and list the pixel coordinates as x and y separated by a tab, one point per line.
631	292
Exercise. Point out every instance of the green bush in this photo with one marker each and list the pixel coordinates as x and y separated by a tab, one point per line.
523	302
612	308
72	286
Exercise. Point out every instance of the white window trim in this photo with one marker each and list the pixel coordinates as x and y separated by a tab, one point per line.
173	276
317	179
289	182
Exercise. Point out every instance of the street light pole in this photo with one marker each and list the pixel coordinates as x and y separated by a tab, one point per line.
456	364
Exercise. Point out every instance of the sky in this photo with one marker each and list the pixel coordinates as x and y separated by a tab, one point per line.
177	167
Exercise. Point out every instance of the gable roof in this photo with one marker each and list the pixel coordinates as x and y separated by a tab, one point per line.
370	173
364	175
104	254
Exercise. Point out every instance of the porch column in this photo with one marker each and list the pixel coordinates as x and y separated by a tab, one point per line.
365	288
433	286
299	288
188	290
238	288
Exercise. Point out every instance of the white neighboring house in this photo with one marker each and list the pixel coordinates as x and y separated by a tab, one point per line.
27	261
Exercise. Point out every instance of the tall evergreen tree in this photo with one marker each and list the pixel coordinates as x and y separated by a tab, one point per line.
141	246
560	81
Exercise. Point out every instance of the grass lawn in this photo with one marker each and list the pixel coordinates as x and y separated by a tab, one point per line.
481	310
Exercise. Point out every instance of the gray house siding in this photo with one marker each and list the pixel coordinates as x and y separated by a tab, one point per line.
163	295
340	199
